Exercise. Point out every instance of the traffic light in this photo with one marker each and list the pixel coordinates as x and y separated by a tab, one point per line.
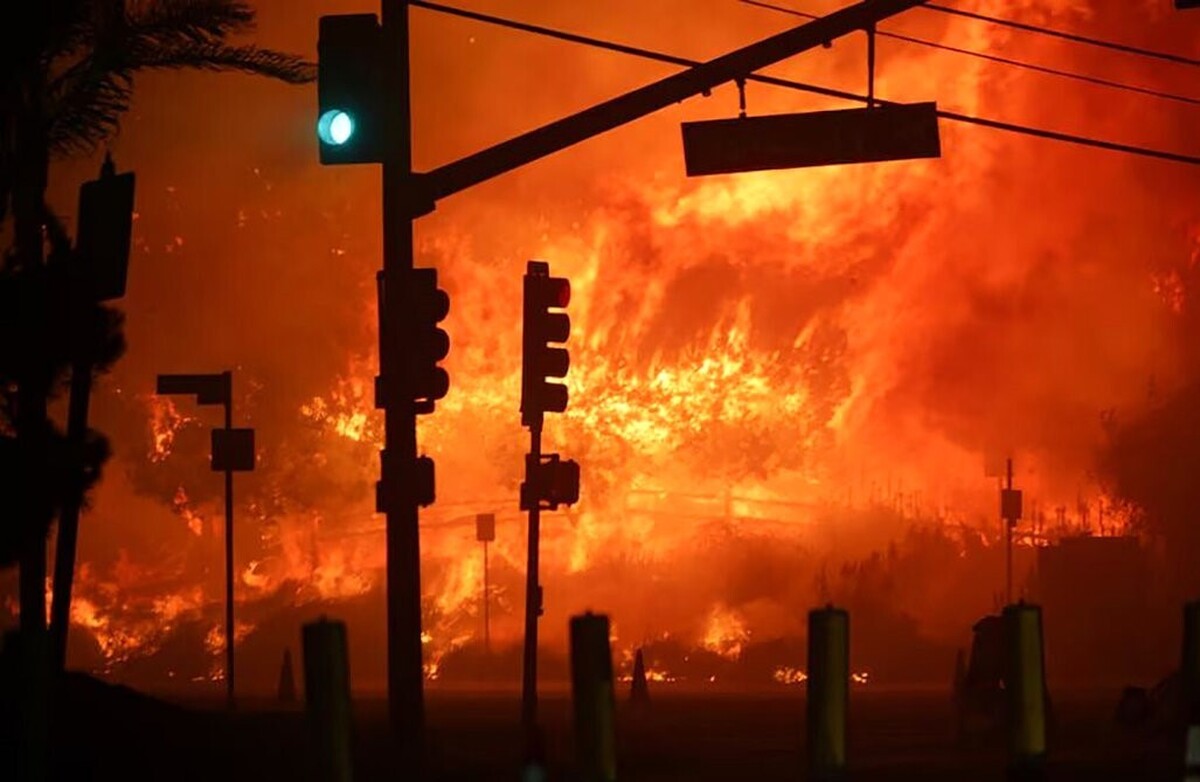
421	483
350	92
551	482
105	231
544	368
426	306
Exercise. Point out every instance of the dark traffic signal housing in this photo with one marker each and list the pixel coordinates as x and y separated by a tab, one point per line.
350	89
105	231
552	481
543	366
426	306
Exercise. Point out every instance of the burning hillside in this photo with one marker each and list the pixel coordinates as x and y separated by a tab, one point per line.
772	374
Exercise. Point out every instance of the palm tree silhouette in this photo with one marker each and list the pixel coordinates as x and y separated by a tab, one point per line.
67	72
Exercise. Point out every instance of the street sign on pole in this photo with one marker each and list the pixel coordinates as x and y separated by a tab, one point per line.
485	533
232	451
819	138
485	527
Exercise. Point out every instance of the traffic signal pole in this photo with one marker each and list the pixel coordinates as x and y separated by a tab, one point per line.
451	178
68	523
533	596
405	671
407	196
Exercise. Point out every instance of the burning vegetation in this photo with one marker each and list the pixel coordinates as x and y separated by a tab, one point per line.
784	386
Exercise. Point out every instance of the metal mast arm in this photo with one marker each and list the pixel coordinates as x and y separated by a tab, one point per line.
558	135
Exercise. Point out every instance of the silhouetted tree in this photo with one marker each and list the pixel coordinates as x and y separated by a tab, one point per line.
1151	463
67	77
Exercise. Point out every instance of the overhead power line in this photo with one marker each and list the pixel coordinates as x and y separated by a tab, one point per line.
1178	59
997	59
648	54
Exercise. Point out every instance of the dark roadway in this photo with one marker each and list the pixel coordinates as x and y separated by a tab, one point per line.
695	736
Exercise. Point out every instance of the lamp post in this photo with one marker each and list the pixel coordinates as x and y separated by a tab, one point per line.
232	451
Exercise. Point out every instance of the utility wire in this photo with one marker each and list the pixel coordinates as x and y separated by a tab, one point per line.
648	54
1178	59
994	58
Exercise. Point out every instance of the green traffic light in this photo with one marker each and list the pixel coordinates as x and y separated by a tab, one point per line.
335	127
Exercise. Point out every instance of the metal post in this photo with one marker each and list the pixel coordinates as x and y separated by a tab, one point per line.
1189	664
229	634
327	699
1189	673
406	707
487	594
66	541
533	594
1008	528
592	698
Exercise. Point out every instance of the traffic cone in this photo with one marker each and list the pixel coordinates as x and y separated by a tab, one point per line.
287	680
639	691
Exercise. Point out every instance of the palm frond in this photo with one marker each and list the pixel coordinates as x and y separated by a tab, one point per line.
199	21
85	107
221	57
74	25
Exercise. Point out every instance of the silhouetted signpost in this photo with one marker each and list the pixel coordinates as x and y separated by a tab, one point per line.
364	116
485	533
232	451
1010	512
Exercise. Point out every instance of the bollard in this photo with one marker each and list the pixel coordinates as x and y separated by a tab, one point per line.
592	692
639	690
287	679
1025	688
1189	678
828	692
327	694
1189	668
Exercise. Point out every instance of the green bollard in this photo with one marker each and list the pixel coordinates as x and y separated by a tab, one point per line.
327	694
592	693
1025	687
828	692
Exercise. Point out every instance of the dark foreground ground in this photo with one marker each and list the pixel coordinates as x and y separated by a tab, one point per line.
694	736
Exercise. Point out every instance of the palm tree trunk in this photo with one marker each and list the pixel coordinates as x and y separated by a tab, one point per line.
29	186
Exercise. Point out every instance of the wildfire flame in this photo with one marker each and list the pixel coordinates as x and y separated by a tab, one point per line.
758	363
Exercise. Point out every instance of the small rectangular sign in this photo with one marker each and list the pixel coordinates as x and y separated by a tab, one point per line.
1010	505
232	450
818	138
485	527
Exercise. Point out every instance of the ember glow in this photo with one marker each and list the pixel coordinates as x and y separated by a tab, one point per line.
773	376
